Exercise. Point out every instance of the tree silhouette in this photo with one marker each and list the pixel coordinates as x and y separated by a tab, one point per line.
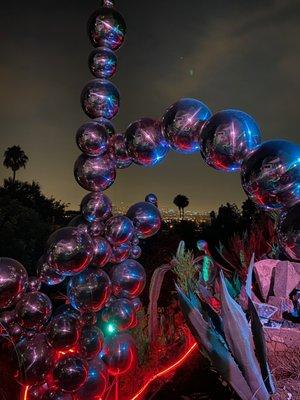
181	201
14	158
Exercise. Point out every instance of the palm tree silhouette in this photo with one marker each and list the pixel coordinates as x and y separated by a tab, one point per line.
181	201
15	158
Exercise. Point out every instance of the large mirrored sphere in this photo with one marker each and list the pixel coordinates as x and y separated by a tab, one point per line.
94	173
102	252
90	342
288	231
70	372
100	98
33	310
119	229
47	274
120	252
121	313
182	124
119	151
146	219
70	250
96	206
103	63
93	138
13	280
227	138
271	174
97	381
128	279
145	142
63	331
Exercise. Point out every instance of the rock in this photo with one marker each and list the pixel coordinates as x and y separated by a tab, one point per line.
297	269
263	272
265	310
281	339
283	304
286	279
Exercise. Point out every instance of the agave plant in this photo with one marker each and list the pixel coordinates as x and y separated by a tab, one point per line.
234	345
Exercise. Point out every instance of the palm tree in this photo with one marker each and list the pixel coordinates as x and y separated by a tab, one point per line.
15	158
181	202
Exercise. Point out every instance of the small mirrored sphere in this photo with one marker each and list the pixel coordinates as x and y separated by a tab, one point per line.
121	312
182	124
57	394
288	232
227	138
63	332
94	173
137	304
271	174
90	290
92	138
120	253
128	279
106	27
202	245
119	353
100	99
13	280
70	250
102	252
103	63
151	198
136	252
119	152
70	372
47	274
145	142
96	206
146	219
90	342
33	310
97	381
119	229
33	358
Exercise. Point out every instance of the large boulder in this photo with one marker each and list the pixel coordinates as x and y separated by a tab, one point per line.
263	271
286	279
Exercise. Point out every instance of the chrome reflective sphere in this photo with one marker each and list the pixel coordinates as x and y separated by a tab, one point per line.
70	250
90	290
103	63
68	311
100	99
288	231
121	313
57	394
151	198
97	381
227	138
95	206
146	219
119	353
202	245
70	373
36	392
102	252
33	310
136	252
34	284
271	174
120	253
33	358
106	27
119	152
13	279
137	304
145	142
7	318
63	332
93	229
182	124
119	230
47	274
92	138
90	342
89	319
94	173
128	279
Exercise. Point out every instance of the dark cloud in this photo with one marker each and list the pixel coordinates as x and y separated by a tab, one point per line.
242	54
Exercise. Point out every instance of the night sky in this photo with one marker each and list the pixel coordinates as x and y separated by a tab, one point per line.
241	54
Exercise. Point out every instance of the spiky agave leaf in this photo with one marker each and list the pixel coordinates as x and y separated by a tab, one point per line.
214	347
258	335
239	340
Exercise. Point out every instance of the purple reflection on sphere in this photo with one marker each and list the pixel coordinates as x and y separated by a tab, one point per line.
57	394
34	284
136	252
146	219
95	206
63	332
145	142
138	305
227	138
93	229
106	27
33	310
119	152
121	312
94	173
102	252
92	138
182	124
100	99
90	342
151	198
13	279
288	231
271	174
103	63
70	373
128	279
119	229
47	274
97	381
36	392
120	253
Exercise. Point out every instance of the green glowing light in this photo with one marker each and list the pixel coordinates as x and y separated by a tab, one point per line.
111	328
206	269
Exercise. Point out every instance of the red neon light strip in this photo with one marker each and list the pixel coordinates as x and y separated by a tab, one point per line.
163	372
